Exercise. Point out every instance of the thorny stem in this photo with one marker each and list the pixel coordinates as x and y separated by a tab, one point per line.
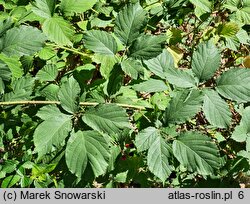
151	4
95	11
7	103
194	35
195	31
68	49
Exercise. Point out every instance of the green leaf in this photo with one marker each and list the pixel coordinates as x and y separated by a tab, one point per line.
9	166
206	60
100	42
146	47
176	53
121	177
230	32
234	84
51	132
10	181
174	36
160	100
145	138
216	110
46	53
40	169
183	106
197	152
157	159
233	43
246	3
86	147
50	92
69	95
243	37
132	68
46	112
243	15
13	64
202	4
27	63
25	181
241	9
232	4
2	86
58	30
44	8
229	29
23	40
160	64
107	63
5	25
151	85
129	23
108	118
180	78
22	89
39	172
242	131
48	73
69	7
115	150
5	73
114	82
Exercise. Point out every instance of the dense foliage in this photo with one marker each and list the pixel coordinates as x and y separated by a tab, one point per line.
124	93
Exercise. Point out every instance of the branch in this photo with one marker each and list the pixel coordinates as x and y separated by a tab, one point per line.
68	49
7	103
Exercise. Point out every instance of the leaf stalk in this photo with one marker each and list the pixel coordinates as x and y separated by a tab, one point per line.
128	106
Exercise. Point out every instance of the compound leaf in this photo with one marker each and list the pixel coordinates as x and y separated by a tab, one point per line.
5	24
197	152
206	60
157	159
108	118
202	4
5	73
100	42
242	131
69	95
183	106
13	64
145	138
47	73
69	7
107	64
244	15
46	112
229	30
44	8
51	132
151	85
160	64
58	30
10	181
180	78
86	147
23	40
129	23
216	110
234	84
50	92
132	67
146	47
21	89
